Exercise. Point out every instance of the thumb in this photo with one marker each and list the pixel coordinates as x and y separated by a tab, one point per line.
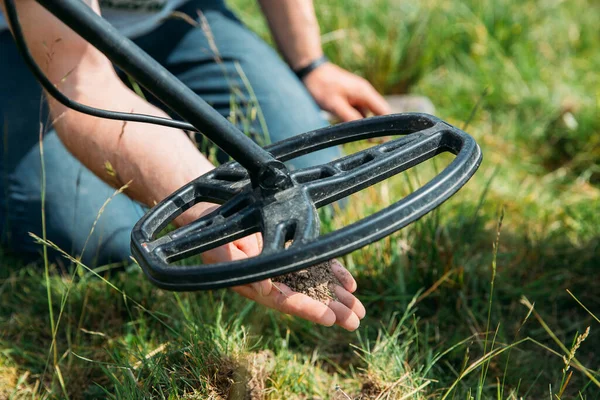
263	287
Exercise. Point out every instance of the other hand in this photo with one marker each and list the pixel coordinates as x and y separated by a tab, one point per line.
344	94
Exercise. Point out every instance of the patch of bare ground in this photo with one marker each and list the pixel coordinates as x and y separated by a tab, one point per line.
250	376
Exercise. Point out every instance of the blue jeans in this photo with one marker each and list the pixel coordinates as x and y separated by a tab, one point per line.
74	196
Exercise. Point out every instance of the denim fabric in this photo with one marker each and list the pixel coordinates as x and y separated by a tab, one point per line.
74	196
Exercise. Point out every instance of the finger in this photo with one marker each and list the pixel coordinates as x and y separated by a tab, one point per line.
364	111
369	97
263	287
259	240
252	246
249	245
220	254
235	252
255	242
344	317
343	276
350	301
343	110
287	301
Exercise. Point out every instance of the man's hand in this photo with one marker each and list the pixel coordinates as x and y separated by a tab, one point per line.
296	31
347	96
347	312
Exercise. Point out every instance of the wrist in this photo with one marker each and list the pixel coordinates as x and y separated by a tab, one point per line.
303	71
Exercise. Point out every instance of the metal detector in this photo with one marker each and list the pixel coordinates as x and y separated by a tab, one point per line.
257	192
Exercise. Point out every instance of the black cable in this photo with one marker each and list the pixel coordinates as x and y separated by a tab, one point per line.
13	19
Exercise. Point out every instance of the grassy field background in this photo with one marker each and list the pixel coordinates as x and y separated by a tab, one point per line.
494	295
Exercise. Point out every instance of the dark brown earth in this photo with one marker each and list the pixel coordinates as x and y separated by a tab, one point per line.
316	282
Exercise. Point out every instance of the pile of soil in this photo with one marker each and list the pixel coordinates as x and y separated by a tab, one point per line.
316	282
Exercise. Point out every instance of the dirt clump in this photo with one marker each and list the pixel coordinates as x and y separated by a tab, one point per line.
251	376
371	389
317	282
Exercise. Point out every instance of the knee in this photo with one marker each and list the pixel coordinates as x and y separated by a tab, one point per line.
78	219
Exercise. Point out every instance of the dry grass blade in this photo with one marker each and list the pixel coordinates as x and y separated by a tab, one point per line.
80	264
584	307
560	344
99	214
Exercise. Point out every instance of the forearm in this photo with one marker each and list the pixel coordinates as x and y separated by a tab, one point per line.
155	160
295	29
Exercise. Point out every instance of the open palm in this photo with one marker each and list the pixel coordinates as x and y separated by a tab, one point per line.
346	312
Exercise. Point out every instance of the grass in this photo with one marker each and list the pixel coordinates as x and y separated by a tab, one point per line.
460	306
